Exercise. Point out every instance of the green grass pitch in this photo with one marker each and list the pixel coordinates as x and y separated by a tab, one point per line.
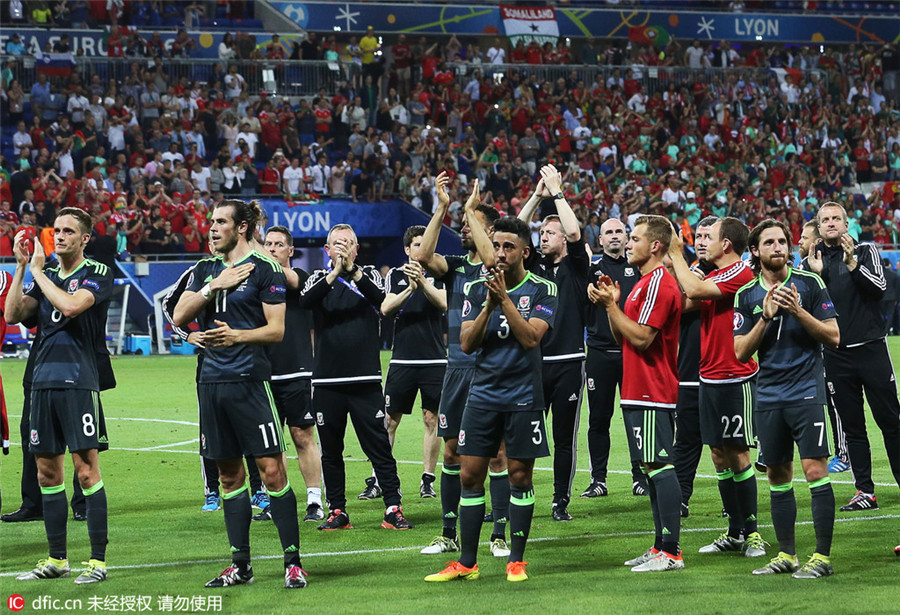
162	545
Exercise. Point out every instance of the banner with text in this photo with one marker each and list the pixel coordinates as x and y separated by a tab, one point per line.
526	23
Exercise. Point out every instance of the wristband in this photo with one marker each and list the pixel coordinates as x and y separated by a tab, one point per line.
353	271
561	195
206	291
764	319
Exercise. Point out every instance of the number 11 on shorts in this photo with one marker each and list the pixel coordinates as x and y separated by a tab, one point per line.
265	436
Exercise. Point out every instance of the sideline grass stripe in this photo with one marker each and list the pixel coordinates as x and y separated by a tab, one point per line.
483	544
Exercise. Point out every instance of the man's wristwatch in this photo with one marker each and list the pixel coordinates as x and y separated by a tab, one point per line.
352	272
561	195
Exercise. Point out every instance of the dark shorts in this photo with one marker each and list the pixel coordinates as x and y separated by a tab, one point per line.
726	413
457	382
482	432
293	400
238	419
405	381
805	424
63	418
651	433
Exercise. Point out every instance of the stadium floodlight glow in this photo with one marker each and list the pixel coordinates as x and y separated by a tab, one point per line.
337	28
758	37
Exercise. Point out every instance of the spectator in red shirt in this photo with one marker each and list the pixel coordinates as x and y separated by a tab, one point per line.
269	178
402	54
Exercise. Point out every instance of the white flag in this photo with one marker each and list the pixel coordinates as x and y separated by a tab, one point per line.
530	23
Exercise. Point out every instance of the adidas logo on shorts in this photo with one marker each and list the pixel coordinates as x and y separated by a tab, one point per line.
573	397
379	415
308	417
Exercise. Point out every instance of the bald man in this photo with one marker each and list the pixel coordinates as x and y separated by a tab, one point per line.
604	359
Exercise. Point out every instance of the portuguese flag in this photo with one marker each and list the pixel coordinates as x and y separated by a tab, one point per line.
648	35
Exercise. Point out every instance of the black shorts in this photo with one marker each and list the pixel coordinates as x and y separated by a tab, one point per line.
238	419
483	431
66	417
651	433
805	424
405	381
457	382
726	413
293	400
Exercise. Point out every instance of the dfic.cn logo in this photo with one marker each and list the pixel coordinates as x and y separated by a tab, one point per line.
16	602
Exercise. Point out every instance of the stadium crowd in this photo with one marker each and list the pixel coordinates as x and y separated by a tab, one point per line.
149	155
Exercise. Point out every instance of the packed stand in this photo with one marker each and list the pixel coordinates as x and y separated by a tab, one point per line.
149	155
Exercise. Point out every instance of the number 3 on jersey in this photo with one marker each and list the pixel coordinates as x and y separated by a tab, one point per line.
503	333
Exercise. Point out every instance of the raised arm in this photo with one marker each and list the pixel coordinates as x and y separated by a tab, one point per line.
68	305
695	288
568	220
19	306
435	263
483	244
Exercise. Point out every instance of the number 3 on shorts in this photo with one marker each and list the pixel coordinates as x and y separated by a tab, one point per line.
638	438
538	437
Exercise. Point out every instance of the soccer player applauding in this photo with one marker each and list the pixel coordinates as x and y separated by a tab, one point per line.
785	316
505	316
648	332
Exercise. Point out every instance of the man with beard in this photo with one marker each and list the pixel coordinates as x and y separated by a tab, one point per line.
771	319
505	316
455	272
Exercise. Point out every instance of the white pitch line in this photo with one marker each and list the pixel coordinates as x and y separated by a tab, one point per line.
124	418
759	477
416	548
159	446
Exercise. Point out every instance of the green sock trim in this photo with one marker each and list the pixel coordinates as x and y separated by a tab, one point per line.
498	474
782	487
820	482
278	494
725	474
52	490
92	490
824	558
745	475
472	501
450	472
653	473
528	500
235	493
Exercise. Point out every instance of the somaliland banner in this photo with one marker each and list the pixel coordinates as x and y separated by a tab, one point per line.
528	24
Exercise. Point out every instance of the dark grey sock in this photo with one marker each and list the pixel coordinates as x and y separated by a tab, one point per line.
521	511
499	486
745	487
823	515
284	516
471	517
728	493
657	522
236	507
784	516
450	494
668	498
97	520
56	515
